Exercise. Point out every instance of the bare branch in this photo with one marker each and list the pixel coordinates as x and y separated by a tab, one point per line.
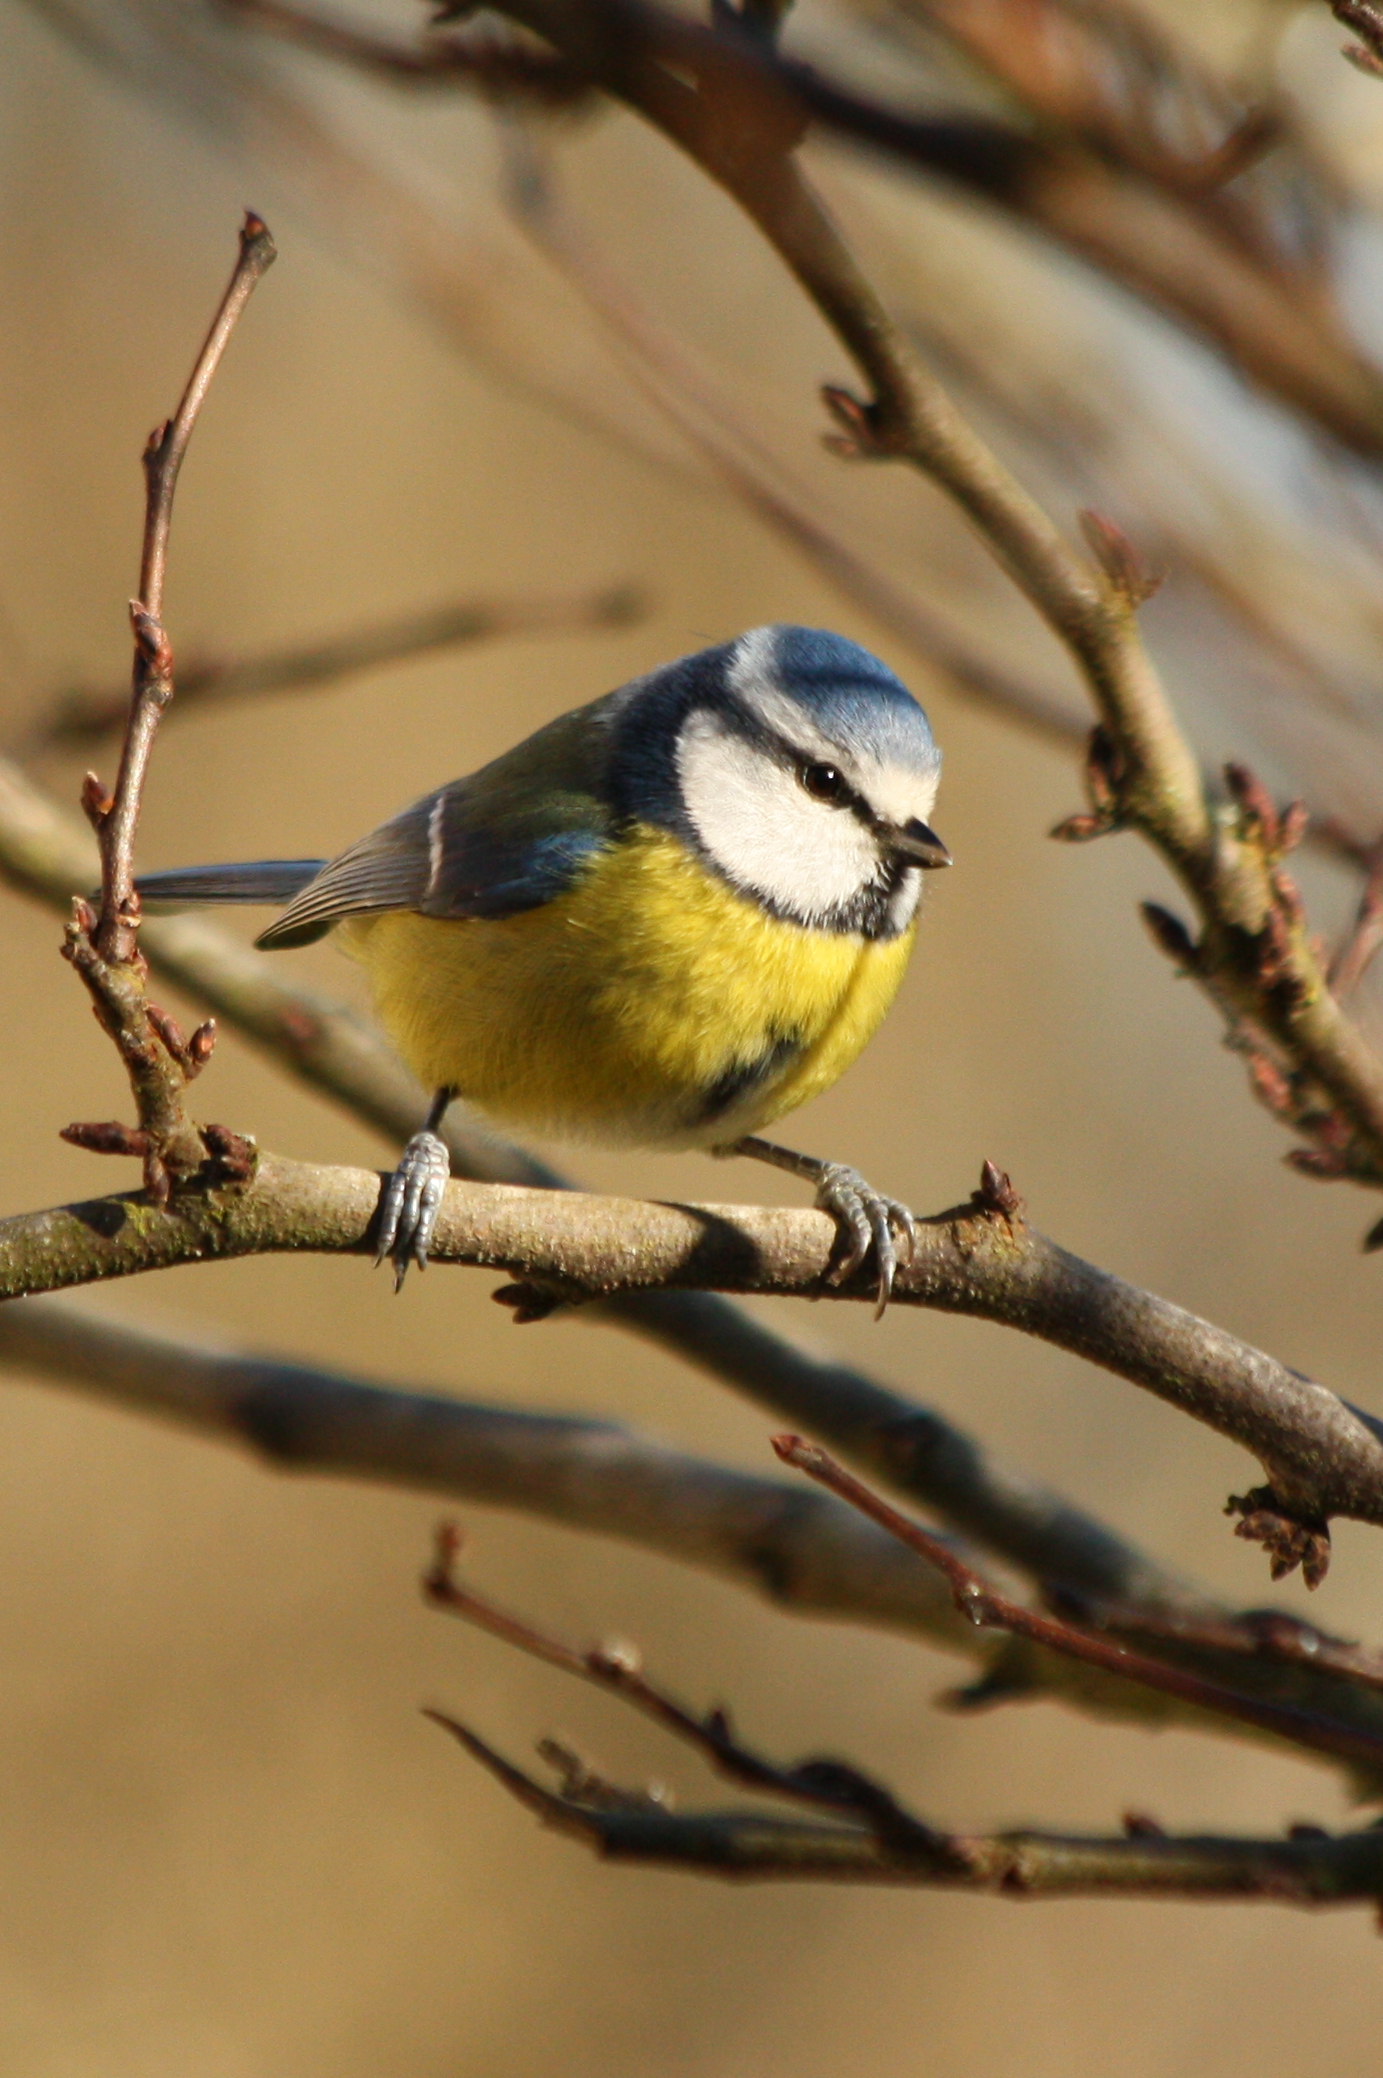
743	1846
153	669
984	1607
741	122
1322	1457
804	1551
871	1838
84	714
1165	233
104	949
615	1669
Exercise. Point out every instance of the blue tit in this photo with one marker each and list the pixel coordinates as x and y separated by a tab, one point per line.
664	920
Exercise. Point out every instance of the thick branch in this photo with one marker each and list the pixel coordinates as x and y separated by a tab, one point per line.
1322	1458
801	1550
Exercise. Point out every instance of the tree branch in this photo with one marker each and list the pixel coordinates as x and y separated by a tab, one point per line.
104	947
803	1552
1322	1457
1153	220
985	1608
153	668
871	1838
744	1846
85	713
740	118
920	1453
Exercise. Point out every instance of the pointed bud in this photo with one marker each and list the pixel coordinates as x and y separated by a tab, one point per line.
1292	826
1170	935
1118	558
1255	804
106	1137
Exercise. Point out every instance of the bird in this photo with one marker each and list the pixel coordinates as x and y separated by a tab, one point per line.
665	919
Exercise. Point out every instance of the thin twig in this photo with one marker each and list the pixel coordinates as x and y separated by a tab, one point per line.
104	947
153	667
987	1608
615	1668
1309	1868
871	1837
85	714
1266	1637
1354	957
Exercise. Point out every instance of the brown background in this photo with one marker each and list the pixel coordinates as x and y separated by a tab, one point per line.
230	1844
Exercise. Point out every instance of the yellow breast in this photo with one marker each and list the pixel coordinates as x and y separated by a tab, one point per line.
650	1004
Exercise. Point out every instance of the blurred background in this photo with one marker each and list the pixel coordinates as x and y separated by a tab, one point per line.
232	1844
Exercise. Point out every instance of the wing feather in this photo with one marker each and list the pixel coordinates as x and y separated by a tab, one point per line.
509	838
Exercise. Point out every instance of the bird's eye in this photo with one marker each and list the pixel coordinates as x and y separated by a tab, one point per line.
823	782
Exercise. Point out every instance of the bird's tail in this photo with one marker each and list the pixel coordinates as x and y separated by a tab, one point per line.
256	880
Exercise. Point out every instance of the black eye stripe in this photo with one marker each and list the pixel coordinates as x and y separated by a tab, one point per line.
749	726
837	793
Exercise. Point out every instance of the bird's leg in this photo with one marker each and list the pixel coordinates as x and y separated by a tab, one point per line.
866	1218
410	1199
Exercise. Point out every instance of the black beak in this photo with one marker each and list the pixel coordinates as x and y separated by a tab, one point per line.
919	845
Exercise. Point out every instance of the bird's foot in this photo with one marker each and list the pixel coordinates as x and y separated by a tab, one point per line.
867	1221
409	1204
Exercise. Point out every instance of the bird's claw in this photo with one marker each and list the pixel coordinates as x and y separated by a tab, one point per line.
409	1204
867	1220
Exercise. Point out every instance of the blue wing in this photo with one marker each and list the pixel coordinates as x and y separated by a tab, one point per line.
509	838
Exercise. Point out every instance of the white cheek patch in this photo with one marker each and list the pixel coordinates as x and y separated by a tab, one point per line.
763	830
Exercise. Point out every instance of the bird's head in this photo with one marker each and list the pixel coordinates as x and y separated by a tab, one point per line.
799	767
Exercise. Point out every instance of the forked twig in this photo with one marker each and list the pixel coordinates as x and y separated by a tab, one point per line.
858	1832
987	1608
